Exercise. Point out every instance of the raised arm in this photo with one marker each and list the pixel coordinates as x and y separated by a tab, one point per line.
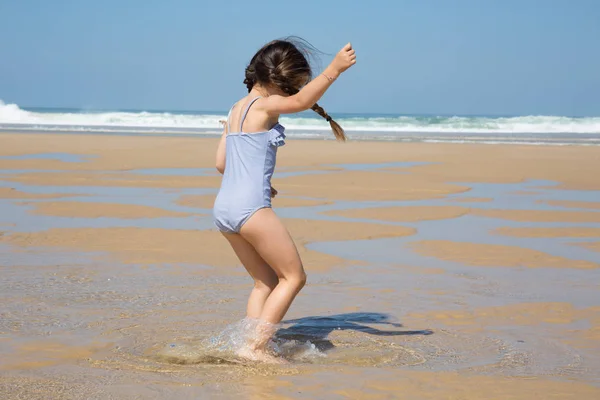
314	90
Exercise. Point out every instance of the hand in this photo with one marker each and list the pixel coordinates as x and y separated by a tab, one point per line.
344	59
273	192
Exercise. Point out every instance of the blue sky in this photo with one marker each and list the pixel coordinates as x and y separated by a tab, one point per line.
498	57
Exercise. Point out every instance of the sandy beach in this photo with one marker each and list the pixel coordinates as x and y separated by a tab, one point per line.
435	271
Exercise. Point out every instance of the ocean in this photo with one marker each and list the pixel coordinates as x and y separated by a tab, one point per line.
533	129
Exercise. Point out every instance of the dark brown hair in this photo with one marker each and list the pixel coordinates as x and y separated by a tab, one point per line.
284	63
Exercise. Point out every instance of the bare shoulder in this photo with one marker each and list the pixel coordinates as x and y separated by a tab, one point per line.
263	106
251	112
262	111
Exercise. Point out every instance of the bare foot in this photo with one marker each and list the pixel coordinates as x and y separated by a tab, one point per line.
259	356
271	359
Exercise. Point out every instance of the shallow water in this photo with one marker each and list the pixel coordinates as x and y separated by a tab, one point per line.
64	157
76	325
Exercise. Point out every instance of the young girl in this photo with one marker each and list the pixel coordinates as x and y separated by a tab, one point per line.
278	79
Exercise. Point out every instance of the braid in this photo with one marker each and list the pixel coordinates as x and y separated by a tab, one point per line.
338	131
335	127
284	64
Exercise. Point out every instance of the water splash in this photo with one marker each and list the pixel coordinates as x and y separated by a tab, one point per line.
234	344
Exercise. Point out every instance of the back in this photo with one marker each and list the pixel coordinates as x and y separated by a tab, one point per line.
249	166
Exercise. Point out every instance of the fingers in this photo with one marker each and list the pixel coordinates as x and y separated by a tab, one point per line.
352	58
346	57
351	53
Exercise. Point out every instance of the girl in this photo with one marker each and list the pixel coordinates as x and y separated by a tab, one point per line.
278	79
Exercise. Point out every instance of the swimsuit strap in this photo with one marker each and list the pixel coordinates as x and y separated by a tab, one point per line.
246	112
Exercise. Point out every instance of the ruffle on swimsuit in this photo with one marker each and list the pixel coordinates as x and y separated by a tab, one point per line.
277	135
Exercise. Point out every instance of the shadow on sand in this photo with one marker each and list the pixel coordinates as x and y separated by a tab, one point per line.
317	329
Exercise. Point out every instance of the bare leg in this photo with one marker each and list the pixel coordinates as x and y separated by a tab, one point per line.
267	234
269	255
265	279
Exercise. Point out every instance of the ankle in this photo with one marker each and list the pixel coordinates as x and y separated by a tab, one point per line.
259	333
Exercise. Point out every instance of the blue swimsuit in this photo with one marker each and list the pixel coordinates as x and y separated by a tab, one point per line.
246	185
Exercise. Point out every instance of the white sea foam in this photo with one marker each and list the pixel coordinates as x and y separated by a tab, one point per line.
11	116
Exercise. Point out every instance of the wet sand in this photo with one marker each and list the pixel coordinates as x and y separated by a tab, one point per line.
367	186
473	200
79	209
541	215
79	179
404	214
595	246
435	271
574	204
139	246
11	193
494	255
207	201
550	232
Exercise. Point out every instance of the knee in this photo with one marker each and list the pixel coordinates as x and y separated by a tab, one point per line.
303	278
298	280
